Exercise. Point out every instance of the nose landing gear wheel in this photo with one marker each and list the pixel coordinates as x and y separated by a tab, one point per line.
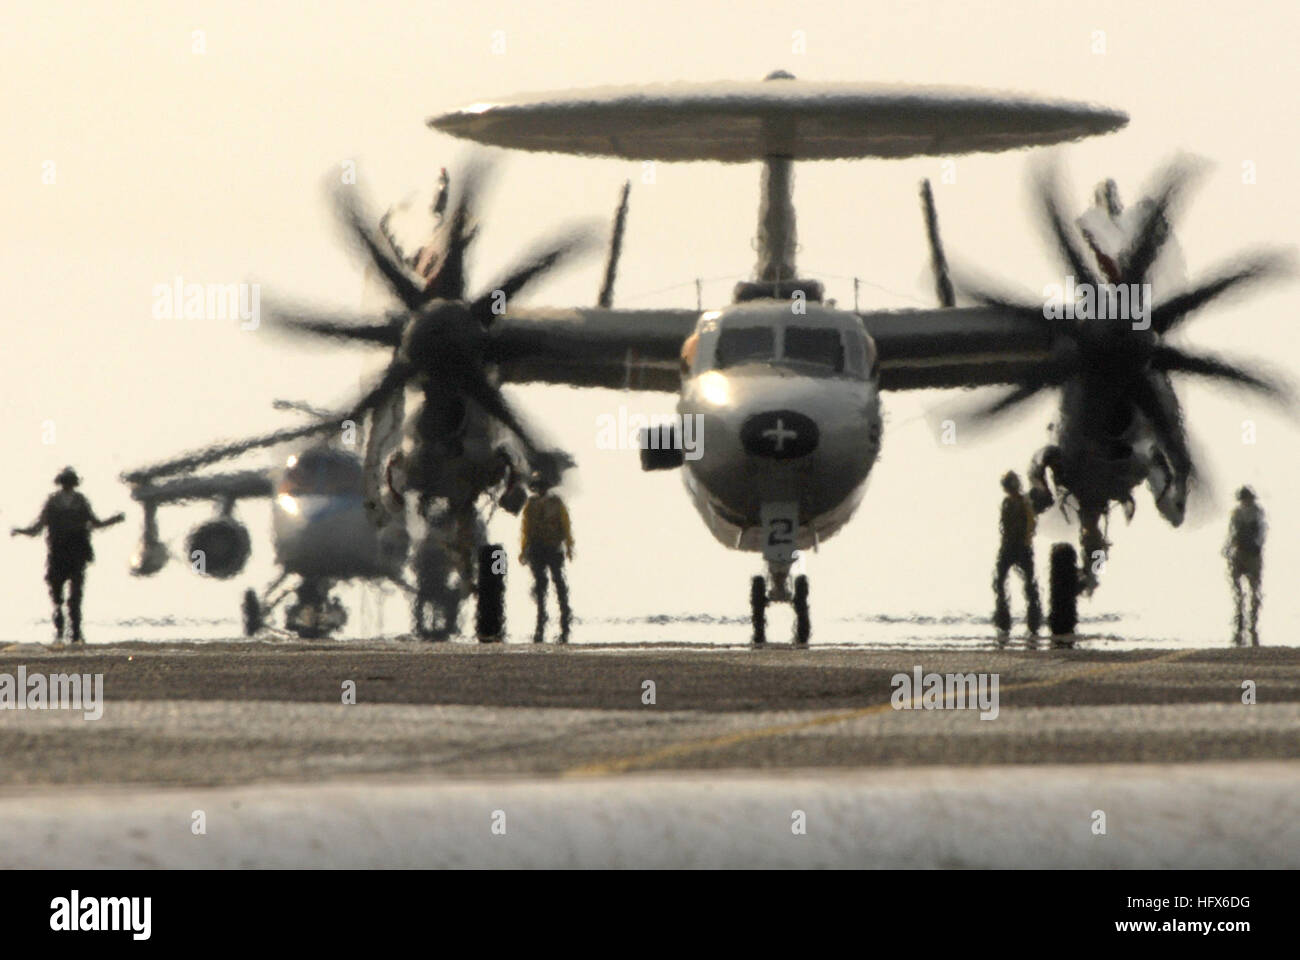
802	622
1063	615
252	611
758	608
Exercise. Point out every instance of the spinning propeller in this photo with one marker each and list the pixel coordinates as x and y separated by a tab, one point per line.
1122	364
442	337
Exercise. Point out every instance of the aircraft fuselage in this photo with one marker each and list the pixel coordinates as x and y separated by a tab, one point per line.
319	522
788	408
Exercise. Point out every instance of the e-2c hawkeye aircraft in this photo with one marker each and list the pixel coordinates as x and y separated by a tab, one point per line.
787	387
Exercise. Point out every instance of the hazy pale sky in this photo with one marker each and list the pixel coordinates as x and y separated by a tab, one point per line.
210	165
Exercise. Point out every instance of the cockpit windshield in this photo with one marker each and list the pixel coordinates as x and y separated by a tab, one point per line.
820	345
327	472
738	345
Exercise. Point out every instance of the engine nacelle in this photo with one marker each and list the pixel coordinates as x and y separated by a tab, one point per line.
219	548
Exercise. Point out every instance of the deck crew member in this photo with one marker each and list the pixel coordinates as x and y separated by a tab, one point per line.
1017	524
546	542
67	519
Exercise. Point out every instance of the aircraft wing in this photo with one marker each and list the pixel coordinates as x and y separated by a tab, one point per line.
221	486
954	347
640	349
592	346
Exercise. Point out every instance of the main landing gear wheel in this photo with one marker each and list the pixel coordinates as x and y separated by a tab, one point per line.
490	612
802	623
1063	615
758	608
315	614
252	613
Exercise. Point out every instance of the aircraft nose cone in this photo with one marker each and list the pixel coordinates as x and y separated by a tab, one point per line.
779	435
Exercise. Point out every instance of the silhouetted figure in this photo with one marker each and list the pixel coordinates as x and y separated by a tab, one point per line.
67	519
1016	549
1245	553
546	540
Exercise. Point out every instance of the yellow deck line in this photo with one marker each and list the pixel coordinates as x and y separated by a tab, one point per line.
652	757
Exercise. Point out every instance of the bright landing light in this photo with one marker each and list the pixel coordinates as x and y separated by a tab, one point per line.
715	388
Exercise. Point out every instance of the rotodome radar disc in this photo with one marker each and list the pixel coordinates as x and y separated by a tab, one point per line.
734	122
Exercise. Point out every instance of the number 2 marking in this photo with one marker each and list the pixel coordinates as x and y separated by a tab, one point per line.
779	532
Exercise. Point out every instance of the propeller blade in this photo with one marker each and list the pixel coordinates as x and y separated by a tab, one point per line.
1170	359
473	382
1168	315
1166	418
606	297
355	221
200	458
295	320
394	378
1008	303
1202	494
938	262
1050	373
496	299
1048	185
1153	229
448	280
1011	398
